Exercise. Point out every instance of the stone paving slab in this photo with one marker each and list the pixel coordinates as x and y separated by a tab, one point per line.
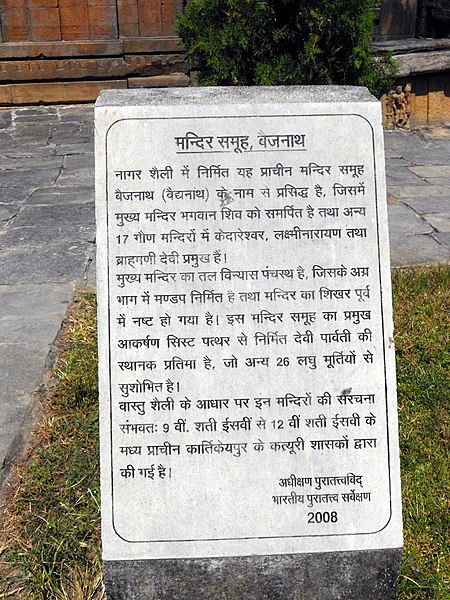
7	211
59	195
11	194
35	163
54	216
409	250
30	178
431	171
424	206
78	161
78	177
47	234
404	219
420	191
402	175
439	221
29	310
32	237
21	373
55	263
30	318
439	181
26	150
43	113
430	155
443	239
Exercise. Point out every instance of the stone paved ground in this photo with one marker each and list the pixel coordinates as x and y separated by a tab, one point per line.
47	235
418	182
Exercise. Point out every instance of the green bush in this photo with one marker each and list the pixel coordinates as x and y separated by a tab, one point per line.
283	42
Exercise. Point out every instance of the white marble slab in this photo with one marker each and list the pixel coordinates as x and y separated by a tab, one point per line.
247	380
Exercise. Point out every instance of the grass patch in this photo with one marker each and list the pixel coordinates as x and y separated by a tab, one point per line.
50	533
51	526
421	316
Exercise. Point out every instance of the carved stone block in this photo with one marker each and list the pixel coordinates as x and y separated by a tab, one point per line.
63	49
70	68
53	92
156	64
152	45
397	108
159	81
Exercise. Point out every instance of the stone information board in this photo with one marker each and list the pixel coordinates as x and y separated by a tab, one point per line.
247	374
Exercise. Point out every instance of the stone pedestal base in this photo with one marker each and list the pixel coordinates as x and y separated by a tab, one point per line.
363	575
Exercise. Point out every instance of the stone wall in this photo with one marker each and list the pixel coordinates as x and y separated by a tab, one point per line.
61	51
422	93
68	50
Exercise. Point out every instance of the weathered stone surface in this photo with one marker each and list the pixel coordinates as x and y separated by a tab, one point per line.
396	176
40	250
424	206
439	181
33	179
5	119
439	97
62	149
55	216
440	221
416	250
5	94
35	132
48	114
368	575
422	62
128	14
79	161
90	279
44	16
79	113
76	91
156	64
77	133
394	144
160	81
56	49
53	263
62	195
157	18
397	19
410	45
281	94
431	171
134	45
21	371
30	317
29	310
7	211
44	235
418	191
404	221
102	20
419	101
67	68
74	22
35	163
15	149
77	177
15	194
444	239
